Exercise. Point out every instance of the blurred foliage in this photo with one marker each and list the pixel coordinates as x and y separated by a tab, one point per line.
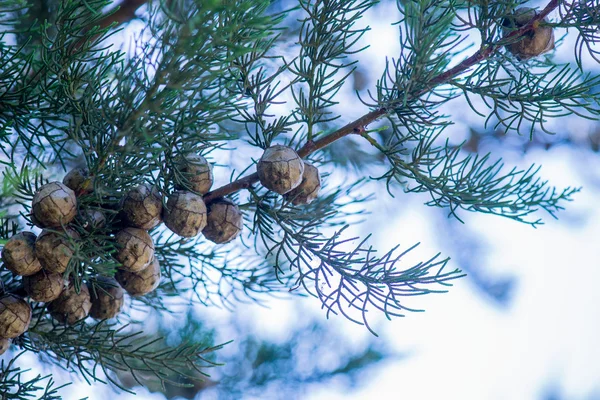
15	384
254	367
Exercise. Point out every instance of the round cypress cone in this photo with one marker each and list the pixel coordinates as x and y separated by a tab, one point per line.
55	250
533	43
92	219
44	286
185	214
135	249
224	221
308	190
79	180
107	298
141	207
71	306
141	282
15	316
280	169
54	204
18	254
196	174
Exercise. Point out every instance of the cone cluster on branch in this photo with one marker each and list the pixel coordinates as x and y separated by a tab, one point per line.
187	215
44	261
533	43
281	170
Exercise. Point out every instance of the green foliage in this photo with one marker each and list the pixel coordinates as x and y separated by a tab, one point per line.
469	182
97	351
266	368
213	78
328	36
583	17
14	385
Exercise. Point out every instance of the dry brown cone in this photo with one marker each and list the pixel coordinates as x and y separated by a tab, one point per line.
55	250
533	43
280	169
44	286
71	307
224	221
196	173
136	249
185	214
54	204
18	254
79	180
15	316
141	282
142	207
309	189
107	298
4	345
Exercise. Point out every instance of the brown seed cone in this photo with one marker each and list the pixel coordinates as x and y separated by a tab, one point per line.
107	298
54	205
18	254
15	316
196	174
185	214
71	306
34	220
135	249
4	345
55	250
44	286
309	189
533	43
142	207
280	169
141	282
92	219
79	180
224	221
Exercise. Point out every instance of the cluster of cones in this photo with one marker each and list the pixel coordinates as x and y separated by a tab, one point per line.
42	260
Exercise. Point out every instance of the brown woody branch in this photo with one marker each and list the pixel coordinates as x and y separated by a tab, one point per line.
120	14
124	13
359	125
309	148
486	52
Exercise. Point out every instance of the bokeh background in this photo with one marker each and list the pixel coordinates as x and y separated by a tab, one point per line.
523	324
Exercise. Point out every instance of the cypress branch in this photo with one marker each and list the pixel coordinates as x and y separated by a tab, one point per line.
206	85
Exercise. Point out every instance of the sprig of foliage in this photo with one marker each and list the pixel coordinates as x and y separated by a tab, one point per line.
15	386
351	280
470	182
97	351
37	105
584	17
520	99
413	149
258	74
328	36
219	277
